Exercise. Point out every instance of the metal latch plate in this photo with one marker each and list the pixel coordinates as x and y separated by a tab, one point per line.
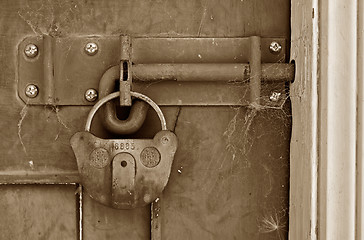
63	71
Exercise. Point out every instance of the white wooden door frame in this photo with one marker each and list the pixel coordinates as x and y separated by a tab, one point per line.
327	112
360	130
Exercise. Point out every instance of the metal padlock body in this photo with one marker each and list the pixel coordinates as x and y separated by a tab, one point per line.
124	173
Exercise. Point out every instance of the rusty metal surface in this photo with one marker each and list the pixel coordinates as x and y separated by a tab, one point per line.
210	72
38	212
201	50
101	222
125	79
69	71
98	174
255	69
37	137
172	93
110	120
123	179
20	123
230	175
217	93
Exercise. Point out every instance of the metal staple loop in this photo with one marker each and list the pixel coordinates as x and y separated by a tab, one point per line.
117	94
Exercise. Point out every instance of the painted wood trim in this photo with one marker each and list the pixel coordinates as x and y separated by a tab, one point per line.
328	112
304	141
337	120
360	128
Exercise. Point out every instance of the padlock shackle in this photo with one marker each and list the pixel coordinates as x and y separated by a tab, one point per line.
117	94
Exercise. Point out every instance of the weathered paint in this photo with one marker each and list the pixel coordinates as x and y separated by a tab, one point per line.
226	153
230	175
38	212
338	116
19	19
360	129
101	222
206	59
304	97
102	176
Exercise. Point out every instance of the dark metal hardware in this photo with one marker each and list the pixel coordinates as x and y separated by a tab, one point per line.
124	173
63	71
210	72
255	69
111	122
125	72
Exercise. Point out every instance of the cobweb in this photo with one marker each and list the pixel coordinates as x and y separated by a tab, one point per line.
241	135
62	17
52	17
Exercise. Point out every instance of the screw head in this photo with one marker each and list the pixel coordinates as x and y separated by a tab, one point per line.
31	50
91	48
275	47
31	91
274	97
91	95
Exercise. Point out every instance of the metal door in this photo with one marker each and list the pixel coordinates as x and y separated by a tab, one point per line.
230	175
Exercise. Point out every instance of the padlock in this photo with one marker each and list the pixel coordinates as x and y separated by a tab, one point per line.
124	173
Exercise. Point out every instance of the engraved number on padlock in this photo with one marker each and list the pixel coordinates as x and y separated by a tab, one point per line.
124	173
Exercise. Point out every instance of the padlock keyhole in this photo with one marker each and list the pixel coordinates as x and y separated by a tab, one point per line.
123	163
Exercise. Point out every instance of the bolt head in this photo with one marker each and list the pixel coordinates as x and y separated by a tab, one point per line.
31	50
91	48
275	47
91	95
31	91
274	97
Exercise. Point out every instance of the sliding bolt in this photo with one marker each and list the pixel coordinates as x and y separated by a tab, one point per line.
31	91
275	47
91	95
31	50
91	48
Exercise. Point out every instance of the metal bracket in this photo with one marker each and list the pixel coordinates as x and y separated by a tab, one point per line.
125	72
172	71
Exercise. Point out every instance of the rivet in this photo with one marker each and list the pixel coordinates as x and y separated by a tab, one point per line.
150	157
91	48
164	140
31	50
31	91
275	47
91	95
99	157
